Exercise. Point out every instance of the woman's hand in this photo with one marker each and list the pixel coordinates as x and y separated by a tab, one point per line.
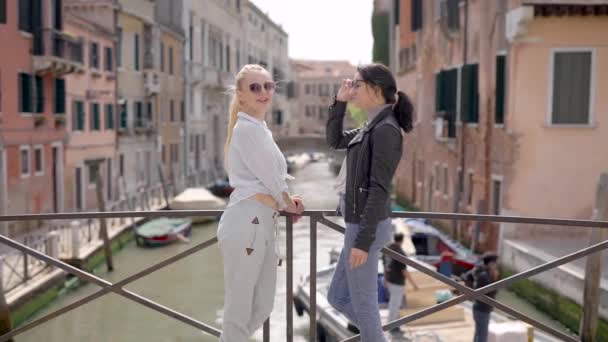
295	206
345	91
357	258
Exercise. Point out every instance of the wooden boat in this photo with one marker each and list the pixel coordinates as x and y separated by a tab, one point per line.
163	231
198	199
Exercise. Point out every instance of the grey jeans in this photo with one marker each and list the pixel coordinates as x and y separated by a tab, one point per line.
246	237
354	292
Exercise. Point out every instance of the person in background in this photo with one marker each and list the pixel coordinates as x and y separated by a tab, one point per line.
395	273
483	275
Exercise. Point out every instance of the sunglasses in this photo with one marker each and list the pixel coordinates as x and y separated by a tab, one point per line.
256	88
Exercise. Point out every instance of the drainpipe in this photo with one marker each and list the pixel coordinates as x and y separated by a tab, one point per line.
486	47
460	175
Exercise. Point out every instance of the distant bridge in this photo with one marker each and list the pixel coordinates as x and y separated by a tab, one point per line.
309	143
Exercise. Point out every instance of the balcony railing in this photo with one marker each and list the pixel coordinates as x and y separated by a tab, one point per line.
316	217
53	43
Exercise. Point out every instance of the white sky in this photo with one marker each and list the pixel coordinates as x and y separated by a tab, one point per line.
324	29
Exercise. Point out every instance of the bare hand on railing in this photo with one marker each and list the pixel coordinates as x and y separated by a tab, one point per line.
296	207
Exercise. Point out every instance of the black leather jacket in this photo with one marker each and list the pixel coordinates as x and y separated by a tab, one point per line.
373	153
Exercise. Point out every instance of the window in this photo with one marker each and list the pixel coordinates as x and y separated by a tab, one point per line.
94	56
2	11
470	193
109	59
191	41
38	160
571	95
162	57
307	89
39	94
59	96
77	116
322	110
172	111
24	152
93	170
139	115
183	112
496	193
109	116
121	165
446	181
25	93
499	115
95	122
149	111
446	93
438	178
416	15
228	58
27	11
204	142
453	14
136	54
469	94
221	48
119	47
124	113
170	60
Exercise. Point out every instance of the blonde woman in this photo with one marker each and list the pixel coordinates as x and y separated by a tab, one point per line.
246	234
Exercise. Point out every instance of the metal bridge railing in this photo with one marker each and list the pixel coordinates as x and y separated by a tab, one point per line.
316	217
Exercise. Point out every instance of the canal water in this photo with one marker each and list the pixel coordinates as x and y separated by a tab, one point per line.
193	286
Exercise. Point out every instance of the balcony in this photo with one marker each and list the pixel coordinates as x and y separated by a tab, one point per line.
210	77
151	82
143	125
194	75
57	53
226	79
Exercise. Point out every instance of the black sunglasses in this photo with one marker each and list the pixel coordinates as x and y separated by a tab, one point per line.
256	88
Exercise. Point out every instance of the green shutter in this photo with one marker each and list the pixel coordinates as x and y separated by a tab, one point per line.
39	94
500	89
469	95
109	116
25	93
59	96
416	15
439	91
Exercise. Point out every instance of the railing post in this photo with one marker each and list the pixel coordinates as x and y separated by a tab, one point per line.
75	227
5	314
313	280
593	267
52	244
289	288
26	275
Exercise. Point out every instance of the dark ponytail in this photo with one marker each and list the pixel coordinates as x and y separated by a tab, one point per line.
378	75
404	111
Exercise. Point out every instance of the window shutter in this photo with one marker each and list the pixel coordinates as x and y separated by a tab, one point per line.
39	94
571	87
416	15
3	11
469	109
500	89
439	91
59	96
453	14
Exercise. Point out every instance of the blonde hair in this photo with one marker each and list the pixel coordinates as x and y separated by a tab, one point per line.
234	104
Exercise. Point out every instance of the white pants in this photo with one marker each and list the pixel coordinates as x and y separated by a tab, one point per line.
246	236
396	294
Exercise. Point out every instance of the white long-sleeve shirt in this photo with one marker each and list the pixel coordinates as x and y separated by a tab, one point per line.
255	163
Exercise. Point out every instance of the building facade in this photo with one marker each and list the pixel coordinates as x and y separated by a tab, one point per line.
91	105
33	108
138	61
495	100
316	82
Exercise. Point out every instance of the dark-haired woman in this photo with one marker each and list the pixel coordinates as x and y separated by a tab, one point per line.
373	153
